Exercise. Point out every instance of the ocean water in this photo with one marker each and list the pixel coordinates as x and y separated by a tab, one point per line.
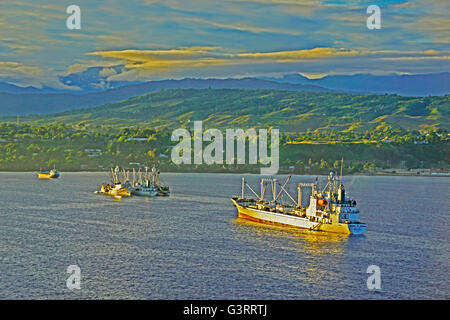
191	245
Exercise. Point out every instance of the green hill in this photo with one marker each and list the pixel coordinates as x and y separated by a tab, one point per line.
287	110
317	130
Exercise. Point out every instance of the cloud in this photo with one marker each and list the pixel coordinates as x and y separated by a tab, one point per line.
183	57
201	57
315	62
25	75
142	63
155	38
302	8
437	23
416	58
431	52
283	2
304	54
8	68
107	72
241	27
210	53
406	4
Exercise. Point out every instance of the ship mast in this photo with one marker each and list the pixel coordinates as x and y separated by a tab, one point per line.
274	189
244	183
273	183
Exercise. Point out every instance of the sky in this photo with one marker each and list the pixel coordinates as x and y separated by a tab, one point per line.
171	39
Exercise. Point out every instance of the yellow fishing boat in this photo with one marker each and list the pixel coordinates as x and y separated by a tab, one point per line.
53	174
116	189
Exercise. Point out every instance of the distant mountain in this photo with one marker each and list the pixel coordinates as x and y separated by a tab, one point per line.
38	103
96	79
11	88
405	85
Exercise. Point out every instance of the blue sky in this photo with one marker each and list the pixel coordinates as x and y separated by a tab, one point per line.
220	38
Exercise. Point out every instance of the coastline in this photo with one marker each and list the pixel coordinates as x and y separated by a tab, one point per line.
378	174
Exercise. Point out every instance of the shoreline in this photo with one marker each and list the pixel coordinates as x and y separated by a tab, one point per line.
252	173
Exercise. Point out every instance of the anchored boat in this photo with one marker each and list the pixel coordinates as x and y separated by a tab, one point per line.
115	189
163	190
52	174
329	210
147	184
145	189
139	183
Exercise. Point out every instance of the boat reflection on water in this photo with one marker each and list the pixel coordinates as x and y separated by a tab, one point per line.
312	259
313	242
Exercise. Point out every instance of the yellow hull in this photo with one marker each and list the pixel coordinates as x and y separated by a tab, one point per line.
291	221
335	228
119	193
116	193
46	176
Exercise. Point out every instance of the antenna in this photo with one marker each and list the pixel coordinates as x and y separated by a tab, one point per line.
342	164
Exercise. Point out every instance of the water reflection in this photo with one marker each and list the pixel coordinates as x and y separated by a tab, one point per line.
313	242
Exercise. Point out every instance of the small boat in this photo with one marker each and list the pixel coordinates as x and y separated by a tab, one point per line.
163	190
146	191
147	184
52	174
115	189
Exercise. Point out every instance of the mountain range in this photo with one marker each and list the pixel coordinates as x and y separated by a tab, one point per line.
41	103
94	88
405	85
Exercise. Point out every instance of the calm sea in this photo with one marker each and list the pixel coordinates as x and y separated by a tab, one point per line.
191	246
